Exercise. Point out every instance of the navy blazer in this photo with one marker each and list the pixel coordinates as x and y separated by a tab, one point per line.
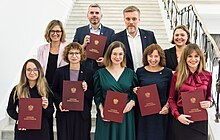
171	58
63	73
81	32
147	38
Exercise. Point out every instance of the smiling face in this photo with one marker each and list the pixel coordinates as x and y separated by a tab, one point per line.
153	59
55	33
192	61
32	72
117	56
180	37
74	56
132	19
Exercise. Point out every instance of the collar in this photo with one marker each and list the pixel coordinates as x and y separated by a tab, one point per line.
99	28
193	77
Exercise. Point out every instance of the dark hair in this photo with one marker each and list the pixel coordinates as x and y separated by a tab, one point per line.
149	50
73	45
112	46
184	28
50	26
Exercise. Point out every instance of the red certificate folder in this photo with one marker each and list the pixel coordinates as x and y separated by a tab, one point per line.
95	48
191	105
114	105
148	100
30	113
73	96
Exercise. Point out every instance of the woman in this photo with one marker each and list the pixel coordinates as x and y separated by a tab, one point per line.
181	37
32	84
73	125
50	55
116	77
154	72
190	76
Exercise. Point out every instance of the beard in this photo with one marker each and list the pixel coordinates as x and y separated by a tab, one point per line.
132	29
94	21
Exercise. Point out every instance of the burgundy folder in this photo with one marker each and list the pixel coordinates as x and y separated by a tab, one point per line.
114	105
73	95
30	113
148	100
95	48
191	105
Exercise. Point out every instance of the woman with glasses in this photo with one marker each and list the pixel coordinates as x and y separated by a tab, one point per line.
50	54
32	84
73	125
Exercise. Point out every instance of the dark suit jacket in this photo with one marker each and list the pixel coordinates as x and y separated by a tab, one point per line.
80	34
63	73
147	38
171	58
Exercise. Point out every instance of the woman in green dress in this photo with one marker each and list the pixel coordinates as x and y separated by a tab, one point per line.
115	77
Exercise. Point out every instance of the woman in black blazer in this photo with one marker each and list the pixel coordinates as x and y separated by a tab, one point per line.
181	37
73	125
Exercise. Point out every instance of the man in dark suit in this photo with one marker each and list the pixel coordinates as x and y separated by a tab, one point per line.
94	16
134	39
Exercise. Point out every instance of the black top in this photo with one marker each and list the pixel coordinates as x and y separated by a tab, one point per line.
30	134
51	67
147	126
171	58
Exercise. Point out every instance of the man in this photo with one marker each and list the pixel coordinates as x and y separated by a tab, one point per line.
134	39
94	16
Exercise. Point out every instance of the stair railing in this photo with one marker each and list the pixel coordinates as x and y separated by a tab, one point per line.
188	16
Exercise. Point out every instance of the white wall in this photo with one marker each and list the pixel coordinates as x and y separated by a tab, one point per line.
22	29
209	13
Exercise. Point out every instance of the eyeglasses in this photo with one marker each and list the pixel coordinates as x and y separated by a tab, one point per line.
73	53
30	70
55	31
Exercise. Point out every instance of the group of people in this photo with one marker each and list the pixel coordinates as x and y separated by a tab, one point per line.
132	59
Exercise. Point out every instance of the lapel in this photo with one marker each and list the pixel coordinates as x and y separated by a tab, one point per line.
124	38
173	56
67	72
81	75
102	31
87	30
143	39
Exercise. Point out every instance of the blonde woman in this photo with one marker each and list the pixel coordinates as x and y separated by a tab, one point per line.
190	76
32	84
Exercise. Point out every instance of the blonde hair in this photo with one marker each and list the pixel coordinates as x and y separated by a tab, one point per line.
182	68
22	88
50	26
131	9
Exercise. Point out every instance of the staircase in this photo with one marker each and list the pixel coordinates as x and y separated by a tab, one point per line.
151	19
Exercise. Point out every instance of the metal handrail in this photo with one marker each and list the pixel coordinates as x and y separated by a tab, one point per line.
199	34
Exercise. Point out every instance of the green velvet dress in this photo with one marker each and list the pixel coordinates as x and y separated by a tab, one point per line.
104	81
